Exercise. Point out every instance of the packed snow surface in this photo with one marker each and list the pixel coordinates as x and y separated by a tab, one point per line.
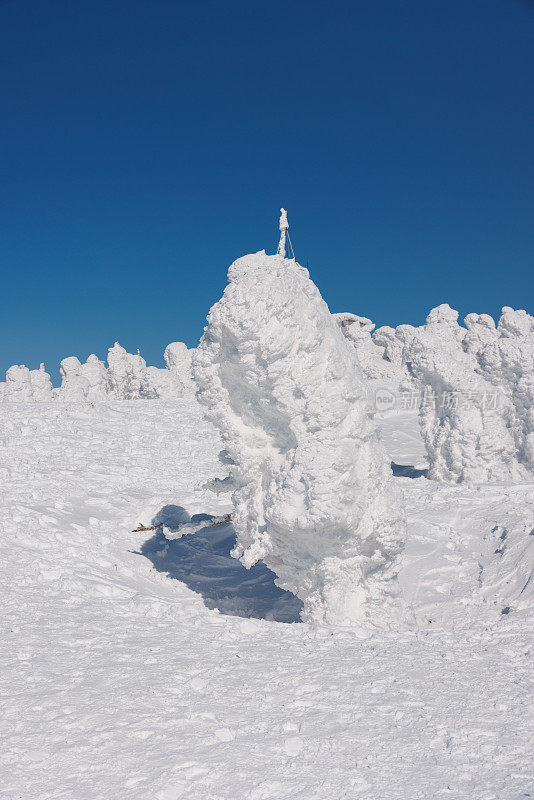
314	496
121	679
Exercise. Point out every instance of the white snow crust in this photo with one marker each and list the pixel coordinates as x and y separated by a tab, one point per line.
120	679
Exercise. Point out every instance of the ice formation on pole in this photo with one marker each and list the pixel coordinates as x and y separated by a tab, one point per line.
314	497
463	424
284	226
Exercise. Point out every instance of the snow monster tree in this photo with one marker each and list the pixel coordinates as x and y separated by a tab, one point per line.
314	497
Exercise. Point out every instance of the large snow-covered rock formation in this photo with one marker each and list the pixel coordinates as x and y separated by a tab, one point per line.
314	497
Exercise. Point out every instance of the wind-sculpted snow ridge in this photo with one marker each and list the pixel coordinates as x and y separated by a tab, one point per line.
463	423
126	378
315	498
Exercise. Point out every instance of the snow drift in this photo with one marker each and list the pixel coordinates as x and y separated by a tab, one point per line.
314	497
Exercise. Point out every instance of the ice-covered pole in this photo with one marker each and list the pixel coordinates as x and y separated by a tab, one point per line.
284	225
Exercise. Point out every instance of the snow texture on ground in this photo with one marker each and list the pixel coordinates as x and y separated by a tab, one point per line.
120	679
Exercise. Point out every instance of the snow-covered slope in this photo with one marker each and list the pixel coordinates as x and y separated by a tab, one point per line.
120	679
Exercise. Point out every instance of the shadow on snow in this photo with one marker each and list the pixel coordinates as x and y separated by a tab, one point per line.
407	471
203	562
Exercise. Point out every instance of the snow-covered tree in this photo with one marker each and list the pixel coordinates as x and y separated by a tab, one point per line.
125	375
463	424
371	355
505	358
315	499
385	337
156	383
18	386
178	360
393	343
481	331
41	384
74	385
95	372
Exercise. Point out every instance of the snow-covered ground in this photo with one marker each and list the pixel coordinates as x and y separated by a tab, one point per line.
133	667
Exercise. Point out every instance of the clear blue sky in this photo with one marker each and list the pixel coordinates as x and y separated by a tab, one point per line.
145	144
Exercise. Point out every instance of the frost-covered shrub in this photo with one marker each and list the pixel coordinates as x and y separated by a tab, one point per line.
18	384
175	380
393	344
95	372
463	424
178	360
481	331
386	338
515	324
41	385
353	326
178	357
358	331
445	315
125	375
26	385
314	499
156	383
128	378
506	359
75	386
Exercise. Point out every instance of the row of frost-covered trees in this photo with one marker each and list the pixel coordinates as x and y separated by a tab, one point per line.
476	385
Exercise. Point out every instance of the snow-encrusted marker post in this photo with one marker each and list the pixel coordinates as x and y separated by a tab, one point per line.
314	499
284	227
